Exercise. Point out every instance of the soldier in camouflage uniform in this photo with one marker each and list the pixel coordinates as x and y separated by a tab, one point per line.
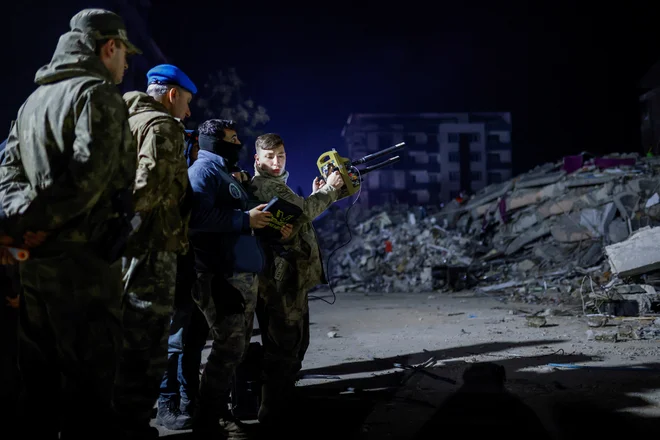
222	236
69	164
188	334
296	267
150	265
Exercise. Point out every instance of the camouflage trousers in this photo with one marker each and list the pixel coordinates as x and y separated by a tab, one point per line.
228	305
147	308
69	334
283	315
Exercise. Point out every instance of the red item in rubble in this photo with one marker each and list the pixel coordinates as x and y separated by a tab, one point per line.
502	207
388	246
573	163
610	162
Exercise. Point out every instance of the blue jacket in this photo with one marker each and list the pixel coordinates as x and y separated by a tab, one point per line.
220	232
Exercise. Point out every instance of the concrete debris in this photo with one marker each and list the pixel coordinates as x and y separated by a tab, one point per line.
603	336
639	254
536	321
571	232
597	320
626	329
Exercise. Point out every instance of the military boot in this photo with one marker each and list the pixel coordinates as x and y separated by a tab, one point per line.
170	416
235	429
277	412
276	400
223	426
187	406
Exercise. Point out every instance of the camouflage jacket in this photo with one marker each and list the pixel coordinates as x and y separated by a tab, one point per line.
301	260
69	152
161	182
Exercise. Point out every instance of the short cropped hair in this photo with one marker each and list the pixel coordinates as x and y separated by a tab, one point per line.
268	141
216	127
158	90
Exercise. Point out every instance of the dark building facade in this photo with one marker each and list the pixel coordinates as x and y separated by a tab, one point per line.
445	153
649	103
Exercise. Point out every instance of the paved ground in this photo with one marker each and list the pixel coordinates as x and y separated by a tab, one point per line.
575	385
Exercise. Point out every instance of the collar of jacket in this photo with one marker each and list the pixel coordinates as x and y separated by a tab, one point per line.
212	157
283	178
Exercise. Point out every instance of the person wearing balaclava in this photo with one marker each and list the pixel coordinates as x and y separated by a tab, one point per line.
228	256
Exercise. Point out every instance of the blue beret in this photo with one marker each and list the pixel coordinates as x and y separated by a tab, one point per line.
169	74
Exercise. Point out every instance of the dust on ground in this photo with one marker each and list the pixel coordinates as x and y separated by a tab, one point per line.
364	346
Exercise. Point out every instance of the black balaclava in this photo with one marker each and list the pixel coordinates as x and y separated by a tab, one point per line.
221	147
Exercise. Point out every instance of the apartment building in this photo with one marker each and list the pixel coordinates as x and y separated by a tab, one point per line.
445	153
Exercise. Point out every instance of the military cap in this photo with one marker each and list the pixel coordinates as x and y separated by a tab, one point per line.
168	74
102	25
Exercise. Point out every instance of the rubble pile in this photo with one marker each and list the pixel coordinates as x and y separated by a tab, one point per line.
583	230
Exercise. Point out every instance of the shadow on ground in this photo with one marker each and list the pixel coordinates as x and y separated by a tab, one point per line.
553	403
571	403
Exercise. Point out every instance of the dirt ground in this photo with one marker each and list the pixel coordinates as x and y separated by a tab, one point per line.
575	385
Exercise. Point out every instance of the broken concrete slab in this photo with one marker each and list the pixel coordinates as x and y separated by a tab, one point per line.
521	198
550	237
490	193
525	222
618	230
638	254
528	236
556	207
539	180
479	211
567	229
502	286
594	197
643	185
626	202
549	251
597	221
589	181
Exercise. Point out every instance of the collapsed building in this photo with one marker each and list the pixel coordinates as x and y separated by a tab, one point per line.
583	231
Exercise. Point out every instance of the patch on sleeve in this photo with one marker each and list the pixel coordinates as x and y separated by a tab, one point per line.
234	191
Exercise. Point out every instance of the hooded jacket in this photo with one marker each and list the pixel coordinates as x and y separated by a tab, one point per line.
161	183
69	152
300	256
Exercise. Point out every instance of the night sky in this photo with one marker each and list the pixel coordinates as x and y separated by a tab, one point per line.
569	75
